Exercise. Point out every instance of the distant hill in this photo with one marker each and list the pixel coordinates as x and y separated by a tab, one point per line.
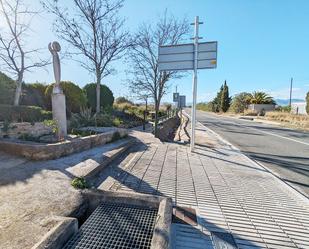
284	102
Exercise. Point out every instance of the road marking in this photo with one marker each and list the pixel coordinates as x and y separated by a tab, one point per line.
276	135
266	132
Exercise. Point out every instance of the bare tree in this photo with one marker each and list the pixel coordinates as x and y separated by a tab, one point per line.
143	55
94	31
15	56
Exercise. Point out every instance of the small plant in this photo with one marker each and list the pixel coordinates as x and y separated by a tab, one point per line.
53	124
79	183
117	122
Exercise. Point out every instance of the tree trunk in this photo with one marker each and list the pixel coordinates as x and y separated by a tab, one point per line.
19	82
98	94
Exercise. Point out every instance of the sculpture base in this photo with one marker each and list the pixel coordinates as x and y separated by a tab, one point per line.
59	113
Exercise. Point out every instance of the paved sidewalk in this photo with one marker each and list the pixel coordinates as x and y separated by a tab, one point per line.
231	194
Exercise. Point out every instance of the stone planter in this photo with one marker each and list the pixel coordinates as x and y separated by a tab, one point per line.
39	151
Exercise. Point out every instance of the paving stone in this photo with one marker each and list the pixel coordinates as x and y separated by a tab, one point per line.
230	193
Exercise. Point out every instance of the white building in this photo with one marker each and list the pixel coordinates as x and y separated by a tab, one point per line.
299	108
261	107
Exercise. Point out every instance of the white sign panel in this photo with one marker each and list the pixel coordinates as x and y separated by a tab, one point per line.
181	57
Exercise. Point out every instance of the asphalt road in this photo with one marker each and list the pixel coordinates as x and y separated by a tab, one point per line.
284	151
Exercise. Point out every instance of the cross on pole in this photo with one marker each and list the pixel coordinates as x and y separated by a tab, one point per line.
194	81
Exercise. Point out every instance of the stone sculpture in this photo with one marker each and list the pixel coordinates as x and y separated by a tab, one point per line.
54	48
58	98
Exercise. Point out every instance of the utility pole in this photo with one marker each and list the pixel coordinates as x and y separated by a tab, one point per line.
194	82
291	87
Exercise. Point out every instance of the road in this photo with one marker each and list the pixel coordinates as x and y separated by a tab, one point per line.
283	151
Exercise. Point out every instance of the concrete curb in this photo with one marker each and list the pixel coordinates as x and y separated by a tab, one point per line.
59	235
274	175
91	166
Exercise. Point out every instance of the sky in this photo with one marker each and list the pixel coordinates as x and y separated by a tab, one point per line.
261	45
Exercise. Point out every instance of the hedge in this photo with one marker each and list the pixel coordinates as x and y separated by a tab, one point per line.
74	96
106	96
23	113
7	89
34	95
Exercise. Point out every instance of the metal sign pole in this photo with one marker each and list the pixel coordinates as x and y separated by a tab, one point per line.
194	83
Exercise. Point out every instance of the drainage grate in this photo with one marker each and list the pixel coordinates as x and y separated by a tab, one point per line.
116	225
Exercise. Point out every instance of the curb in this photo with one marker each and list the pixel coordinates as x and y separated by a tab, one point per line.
275	176
91	166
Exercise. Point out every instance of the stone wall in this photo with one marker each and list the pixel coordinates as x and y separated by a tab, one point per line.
167	128
39	151
16	130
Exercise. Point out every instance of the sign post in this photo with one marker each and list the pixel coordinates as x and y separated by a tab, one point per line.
194	82
192	56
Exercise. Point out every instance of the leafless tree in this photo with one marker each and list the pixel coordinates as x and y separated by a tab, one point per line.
143	55
94	30
16	57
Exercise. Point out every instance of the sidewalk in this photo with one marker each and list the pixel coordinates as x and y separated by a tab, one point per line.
231	194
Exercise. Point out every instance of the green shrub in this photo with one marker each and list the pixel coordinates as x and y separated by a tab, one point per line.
74	96
82	119
117	122
82	133
29	137
34	95
79	182
53	124
106	96
23	113
121	100
104	120
7	89
240	102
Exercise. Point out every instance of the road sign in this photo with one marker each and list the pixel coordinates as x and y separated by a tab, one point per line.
175	97
181	57
182	101
192	56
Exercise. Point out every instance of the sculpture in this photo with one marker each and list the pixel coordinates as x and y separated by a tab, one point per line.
58	98
54	48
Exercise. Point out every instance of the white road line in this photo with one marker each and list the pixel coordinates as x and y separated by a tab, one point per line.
266	132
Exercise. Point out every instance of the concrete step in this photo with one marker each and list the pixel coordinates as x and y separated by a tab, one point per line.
91	165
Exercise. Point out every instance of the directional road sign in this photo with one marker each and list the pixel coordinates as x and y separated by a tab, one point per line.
175	97
181	57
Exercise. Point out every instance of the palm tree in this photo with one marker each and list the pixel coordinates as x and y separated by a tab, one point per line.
260	98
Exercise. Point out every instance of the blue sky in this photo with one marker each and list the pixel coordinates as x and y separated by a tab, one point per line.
261	45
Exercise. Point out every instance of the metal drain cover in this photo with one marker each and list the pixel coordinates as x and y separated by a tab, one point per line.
114	225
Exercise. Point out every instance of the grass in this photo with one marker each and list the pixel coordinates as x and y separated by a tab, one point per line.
298	121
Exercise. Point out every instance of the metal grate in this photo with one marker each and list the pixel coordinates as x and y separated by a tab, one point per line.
116	226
